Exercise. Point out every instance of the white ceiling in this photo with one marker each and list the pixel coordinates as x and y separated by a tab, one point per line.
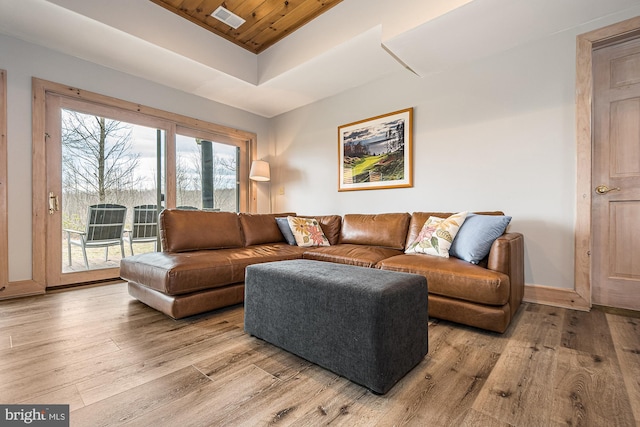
355	42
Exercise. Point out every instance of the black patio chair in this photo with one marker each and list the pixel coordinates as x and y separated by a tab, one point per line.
105	226
145	226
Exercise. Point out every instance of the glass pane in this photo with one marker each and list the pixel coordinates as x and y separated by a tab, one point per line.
206	175
112	186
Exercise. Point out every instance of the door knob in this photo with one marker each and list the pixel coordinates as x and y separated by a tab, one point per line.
603	189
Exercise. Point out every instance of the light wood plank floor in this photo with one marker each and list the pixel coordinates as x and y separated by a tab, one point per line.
116	361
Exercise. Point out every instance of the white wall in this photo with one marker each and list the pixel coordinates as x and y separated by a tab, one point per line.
23	61
496	134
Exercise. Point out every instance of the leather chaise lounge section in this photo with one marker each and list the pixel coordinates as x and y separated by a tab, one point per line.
204	255
202	265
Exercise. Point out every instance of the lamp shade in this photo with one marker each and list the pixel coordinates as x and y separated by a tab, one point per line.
260	171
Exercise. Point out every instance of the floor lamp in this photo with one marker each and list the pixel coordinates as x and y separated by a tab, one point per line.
260	172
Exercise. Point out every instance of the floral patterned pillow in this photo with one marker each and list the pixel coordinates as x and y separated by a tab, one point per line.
307	232
436	235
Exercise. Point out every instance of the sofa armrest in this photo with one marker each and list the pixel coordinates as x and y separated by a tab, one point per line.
507	256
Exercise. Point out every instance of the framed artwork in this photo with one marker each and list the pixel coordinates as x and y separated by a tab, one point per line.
376	153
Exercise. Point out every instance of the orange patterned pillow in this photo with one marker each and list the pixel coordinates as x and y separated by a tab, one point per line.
307	231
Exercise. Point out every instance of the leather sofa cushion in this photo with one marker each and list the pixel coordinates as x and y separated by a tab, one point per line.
176	274
363	256
183	231
490	317
454	278
419	218
261	228
179	306
385	230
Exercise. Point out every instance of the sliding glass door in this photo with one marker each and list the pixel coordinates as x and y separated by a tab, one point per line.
106	175
112	189
104	169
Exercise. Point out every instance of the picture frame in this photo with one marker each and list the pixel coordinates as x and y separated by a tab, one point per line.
376	153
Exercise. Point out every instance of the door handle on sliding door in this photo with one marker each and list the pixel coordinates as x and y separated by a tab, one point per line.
53	203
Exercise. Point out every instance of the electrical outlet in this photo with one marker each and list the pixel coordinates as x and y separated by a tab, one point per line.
281	191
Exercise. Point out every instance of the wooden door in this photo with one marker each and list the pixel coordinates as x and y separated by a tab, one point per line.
616	176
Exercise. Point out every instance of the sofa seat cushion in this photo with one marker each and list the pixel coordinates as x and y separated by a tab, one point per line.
177	274
360	255
454	278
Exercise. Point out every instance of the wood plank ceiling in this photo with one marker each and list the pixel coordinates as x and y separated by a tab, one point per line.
267	21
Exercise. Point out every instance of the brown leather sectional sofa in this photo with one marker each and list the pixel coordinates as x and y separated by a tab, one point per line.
205	254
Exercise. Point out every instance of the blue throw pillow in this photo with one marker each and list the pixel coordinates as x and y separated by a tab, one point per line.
285	229
476	235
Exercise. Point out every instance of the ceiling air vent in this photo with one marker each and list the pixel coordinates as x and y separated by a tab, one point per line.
229	18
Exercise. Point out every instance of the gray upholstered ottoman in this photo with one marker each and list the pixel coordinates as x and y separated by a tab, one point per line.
365	324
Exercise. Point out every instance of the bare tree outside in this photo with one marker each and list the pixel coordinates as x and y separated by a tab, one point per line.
225	182
98	163
184	182
97	155
189	177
